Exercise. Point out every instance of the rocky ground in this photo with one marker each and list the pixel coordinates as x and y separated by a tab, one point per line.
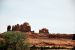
49	40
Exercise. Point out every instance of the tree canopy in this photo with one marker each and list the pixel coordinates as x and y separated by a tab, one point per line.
15	40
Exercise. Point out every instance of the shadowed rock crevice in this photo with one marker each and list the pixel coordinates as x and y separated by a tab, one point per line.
73	38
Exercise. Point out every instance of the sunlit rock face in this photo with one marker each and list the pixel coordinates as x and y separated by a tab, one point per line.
43	30
25	27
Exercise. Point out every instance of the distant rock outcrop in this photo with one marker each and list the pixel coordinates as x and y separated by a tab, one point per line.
8	28
16	28
25	27
44	30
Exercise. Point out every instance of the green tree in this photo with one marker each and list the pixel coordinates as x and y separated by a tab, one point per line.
15	40
2	44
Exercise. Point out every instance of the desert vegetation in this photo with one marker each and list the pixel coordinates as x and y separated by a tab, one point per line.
14	41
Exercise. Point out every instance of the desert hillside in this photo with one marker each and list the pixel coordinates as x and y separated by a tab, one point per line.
58	40
46	40
41	39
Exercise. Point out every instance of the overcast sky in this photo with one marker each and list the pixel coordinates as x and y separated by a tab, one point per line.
56	15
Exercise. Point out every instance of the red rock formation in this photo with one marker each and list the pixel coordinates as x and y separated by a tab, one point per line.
13	28
17	27
44	30
23	27
8	28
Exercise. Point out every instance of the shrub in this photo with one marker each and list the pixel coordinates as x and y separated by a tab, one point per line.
15	40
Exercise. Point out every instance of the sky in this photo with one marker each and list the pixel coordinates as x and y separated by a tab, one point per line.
56	15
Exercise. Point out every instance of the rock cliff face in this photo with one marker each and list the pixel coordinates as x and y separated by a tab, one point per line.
25	27
44	30
8	28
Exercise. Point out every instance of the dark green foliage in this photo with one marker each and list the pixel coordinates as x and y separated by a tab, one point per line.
15	40
33	47
2	44
57	47
46	48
